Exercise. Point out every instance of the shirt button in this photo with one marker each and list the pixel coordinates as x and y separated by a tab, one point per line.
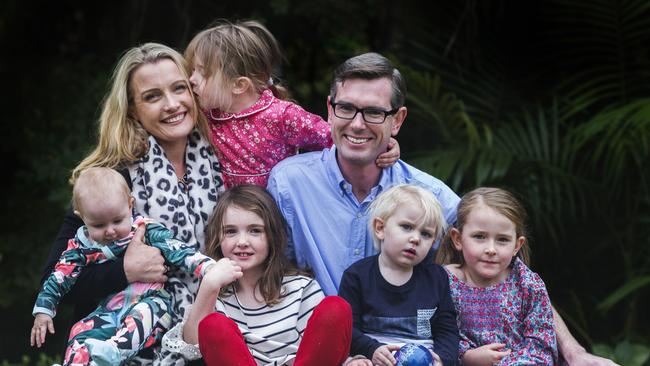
357	251
359	215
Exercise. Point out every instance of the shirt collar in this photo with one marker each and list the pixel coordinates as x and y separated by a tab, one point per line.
82	235
335	175
265	101
334	171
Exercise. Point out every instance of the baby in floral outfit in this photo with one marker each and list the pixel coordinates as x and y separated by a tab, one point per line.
132	319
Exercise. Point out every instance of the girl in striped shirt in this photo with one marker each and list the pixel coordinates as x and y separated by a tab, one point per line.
265	314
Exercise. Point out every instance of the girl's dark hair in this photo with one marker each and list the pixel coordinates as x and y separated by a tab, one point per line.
257	200
497	199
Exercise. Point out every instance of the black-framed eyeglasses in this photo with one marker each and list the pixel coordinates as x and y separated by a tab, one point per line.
370	115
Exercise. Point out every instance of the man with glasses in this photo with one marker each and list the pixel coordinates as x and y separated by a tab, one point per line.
324	196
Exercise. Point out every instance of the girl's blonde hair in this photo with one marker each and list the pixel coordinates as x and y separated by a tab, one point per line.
122	139
387	202
258	201
241	49
497	199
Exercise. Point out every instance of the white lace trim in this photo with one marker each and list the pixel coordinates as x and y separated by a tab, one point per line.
173	342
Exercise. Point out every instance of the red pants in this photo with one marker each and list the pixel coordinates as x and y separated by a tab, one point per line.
326	340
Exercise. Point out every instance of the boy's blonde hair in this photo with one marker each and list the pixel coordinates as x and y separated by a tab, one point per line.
98	181
387	202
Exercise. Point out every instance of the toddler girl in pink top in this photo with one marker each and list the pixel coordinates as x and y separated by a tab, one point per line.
252	126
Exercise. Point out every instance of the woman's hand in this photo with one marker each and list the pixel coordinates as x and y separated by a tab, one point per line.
388	158
143	263
485	355
42	324
383	355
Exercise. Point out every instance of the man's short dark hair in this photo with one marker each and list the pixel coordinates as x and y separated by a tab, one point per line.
370	66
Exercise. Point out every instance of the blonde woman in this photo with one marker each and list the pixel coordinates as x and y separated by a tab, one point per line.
152	132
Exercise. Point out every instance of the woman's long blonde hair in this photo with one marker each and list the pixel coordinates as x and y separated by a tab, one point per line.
122	139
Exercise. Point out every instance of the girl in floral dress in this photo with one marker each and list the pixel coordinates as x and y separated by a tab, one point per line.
504	312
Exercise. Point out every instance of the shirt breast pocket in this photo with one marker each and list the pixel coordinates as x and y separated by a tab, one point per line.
424	322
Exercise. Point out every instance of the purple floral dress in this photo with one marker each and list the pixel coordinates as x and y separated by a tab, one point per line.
516	312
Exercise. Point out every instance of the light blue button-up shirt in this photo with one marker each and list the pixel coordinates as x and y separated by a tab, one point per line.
328	226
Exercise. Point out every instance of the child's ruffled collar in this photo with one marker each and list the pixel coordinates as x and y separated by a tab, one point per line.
265	101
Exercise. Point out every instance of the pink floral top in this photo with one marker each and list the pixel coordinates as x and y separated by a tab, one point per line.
251	142
516	312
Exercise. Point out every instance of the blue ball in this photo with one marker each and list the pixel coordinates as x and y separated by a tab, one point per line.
413	355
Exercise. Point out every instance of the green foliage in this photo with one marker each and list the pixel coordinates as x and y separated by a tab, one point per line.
601	47
41	360
576	153
624	353
621	139
547	99
630	287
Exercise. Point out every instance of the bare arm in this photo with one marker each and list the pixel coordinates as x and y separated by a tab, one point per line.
219	275
571	350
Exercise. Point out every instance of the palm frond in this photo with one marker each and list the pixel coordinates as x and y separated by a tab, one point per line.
631	286
480	85
597	44
439	109
544	157
617	141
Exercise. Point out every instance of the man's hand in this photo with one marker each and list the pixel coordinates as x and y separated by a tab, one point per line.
143	263
574	354
584	358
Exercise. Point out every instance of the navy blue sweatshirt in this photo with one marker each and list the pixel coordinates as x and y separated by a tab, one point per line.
420	309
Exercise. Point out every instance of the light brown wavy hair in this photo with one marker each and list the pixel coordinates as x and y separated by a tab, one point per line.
239	49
